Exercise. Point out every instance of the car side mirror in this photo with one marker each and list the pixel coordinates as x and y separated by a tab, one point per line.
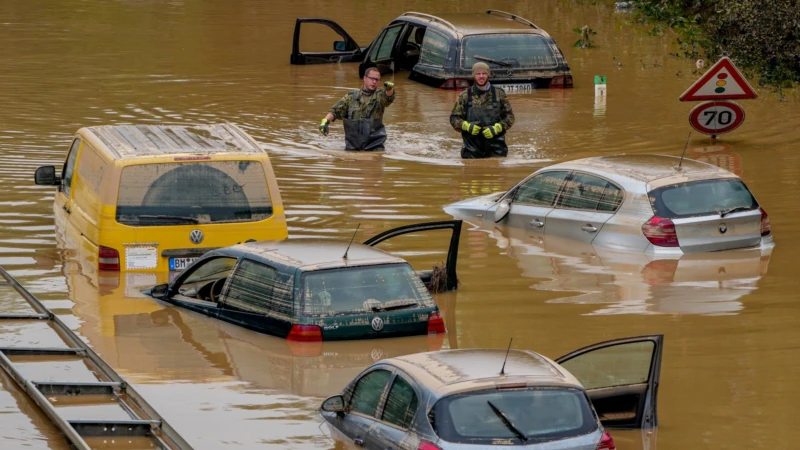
334	403
46	176
502	210
340	46
160	291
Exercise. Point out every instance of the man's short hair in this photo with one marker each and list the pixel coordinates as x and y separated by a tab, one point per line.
372	69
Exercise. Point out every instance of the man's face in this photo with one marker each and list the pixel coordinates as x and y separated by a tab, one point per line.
481	78
371	80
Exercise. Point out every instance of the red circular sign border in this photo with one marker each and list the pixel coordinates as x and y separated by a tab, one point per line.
695	113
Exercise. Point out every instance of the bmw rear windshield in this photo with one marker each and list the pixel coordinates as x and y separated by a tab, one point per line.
519	416
702	198
193	193
508	51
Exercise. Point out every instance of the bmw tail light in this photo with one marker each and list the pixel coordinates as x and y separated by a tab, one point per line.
660	232
606	442
560	82
108	259
766	228
425	445
455	83
305	333
435	323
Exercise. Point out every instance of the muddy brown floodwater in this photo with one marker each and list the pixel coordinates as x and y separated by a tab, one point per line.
732	321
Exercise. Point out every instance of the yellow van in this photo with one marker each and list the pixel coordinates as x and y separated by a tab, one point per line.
154	197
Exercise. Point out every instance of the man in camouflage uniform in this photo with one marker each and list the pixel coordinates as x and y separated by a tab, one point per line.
362	113
482	114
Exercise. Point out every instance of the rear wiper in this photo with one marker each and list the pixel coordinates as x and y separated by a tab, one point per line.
507	422
393	307
495	61
733	210
163	216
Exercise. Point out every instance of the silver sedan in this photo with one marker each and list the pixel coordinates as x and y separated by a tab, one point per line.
645	203
474	398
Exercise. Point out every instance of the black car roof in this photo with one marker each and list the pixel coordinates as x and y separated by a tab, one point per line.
474	23
311	254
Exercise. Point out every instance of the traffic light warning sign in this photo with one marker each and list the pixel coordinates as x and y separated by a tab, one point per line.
722	81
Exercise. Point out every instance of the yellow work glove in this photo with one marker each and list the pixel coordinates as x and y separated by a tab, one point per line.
388	85
470	128
323	126
492	131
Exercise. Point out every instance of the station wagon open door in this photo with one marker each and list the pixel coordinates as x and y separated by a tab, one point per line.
451	280
346	50
621	377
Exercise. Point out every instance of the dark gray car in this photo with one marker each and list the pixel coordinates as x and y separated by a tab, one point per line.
487	397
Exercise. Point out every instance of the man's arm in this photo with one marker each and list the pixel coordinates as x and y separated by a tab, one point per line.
458	114
339	109
386	97
508	118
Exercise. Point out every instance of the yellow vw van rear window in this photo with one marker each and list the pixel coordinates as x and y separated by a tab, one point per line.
193	192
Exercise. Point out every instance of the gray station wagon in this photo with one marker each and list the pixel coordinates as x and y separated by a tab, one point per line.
315	290
647	203
455	399
439	50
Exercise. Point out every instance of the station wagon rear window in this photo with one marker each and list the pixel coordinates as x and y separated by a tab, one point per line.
540	414
189	193
361	290
701	198
508	51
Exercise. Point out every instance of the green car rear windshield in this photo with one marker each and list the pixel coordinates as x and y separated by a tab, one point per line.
195	192
363	290
701	198
539	414
508	51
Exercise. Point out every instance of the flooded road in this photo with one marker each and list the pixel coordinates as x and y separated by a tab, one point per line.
731	321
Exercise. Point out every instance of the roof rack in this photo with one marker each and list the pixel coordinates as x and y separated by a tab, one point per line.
143	422
512	17
430	17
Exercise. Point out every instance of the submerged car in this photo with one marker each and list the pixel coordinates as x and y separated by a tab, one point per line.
648	203
496	397
315	290
440	50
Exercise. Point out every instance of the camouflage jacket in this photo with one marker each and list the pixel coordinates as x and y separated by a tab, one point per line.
357	105
481	99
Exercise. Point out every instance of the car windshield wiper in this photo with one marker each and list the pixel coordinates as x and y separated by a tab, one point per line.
163	216
733	210
393	307
499	63
507	422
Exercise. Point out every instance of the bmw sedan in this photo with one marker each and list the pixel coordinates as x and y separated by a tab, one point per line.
475	398
646	203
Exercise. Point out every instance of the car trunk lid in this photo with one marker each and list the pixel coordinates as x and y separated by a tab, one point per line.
713	233
380	324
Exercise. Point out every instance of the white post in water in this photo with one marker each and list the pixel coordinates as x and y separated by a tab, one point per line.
599	95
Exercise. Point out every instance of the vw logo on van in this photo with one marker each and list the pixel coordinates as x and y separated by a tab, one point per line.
196	236
377	324
723	228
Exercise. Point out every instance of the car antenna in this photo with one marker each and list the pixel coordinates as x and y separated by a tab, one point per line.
684	150
503	369
351	241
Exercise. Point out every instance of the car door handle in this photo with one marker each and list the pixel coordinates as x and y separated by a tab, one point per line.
65	208
589	228
359	442
537	223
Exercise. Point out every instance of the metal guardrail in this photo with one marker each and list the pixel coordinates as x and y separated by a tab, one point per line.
144	421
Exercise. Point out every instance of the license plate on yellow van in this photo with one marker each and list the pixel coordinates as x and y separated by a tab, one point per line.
180	263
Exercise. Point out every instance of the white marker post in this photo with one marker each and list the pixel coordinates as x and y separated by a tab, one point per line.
599	95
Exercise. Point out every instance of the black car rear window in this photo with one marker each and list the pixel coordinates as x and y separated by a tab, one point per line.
508	51
701	198
540	414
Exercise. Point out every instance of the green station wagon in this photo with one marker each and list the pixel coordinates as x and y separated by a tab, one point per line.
314	290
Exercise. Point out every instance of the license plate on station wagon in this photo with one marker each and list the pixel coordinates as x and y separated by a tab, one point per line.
525	88
179	263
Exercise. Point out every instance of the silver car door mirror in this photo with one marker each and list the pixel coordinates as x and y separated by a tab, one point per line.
502	210
334	403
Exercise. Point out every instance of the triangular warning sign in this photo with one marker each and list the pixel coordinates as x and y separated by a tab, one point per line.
722	81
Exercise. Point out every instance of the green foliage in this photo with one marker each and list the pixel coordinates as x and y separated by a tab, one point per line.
586	33
762	36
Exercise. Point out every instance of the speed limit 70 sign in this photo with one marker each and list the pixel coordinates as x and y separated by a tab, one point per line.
716	117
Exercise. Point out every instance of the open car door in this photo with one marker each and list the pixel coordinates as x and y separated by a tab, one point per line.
621	378
451	279
346	50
